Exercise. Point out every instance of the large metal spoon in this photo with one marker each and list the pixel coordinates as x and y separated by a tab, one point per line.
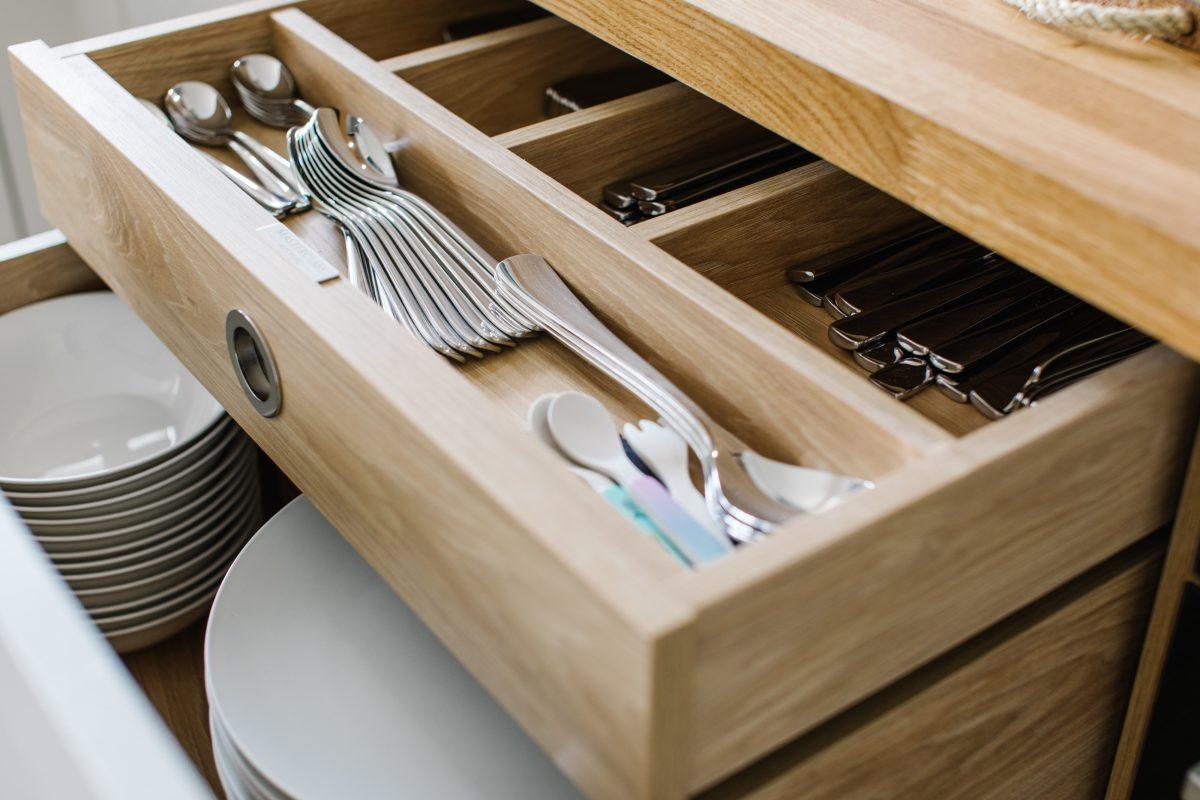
201	115
268	90
270	202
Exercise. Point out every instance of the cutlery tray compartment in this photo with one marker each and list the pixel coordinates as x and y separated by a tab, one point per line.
639	677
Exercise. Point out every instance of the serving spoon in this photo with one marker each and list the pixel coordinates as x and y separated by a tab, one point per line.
276	205
268	91
201	115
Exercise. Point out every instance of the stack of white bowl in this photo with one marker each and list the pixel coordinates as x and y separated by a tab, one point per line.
130	475
322	683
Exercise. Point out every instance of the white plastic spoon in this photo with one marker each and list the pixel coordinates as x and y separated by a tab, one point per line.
586	434
613	493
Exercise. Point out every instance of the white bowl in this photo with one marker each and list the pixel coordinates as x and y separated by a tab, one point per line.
143	507
127	640
178	461
90	391
66	550
166	514
331	687
226	547
161	555
214	571
134	495
161	610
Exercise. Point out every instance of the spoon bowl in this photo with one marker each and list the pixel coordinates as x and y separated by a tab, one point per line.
265	77
199	112
268	90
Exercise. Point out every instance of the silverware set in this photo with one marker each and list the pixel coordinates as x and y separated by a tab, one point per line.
651	195
200	114
406	255
430	276
732	496
933	308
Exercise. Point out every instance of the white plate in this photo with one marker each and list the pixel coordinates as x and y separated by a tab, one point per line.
141	509
169	515
140	495
331	687
230	777
249	780
179	460
75	552
89	390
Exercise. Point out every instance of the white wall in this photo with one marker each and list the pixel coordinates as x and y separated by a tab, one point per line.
56	22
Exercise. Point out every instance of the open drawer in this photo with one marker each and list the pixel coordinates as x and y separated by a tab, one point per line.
640	678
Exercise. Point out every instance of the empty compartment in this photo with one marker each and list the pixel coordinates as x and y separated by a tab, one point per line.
662	128
516	76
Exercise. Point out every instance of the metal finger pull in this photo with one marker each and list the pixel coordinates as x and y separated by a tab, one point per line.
252	363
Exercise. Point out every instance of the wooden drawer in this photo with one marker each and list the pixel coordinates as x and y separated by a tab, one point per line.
640	678
1019	688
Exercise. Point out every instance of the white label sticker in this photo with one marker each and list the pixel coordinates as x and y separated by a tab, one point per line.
293	248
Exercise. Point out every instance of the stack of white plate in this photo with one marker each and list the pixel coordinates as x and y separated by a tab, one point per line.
323	684
130	475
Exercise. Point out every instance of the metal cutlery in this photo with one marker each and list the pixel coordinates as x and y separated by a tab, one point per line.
868	327
726	181
975	346
427	273
276	205
803	488
731	495
918	270
268	91
585	91
686	178
201	115
933	308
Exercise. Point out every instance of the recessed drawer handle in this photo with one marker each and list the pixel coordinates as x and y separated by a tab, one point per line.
253	363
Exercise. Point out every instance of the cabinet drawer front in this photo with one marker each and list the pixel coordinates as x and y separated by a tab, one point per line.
74	722
640	678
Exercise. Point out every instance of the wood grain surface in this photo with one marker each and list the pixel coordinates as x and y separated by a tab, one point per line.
1049	149
1030	709
650	681
171	673
1178	570
41	267
497	81
628	137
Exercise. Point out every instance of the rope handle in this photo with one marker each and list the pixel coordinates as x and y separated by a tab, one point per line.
1160	22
